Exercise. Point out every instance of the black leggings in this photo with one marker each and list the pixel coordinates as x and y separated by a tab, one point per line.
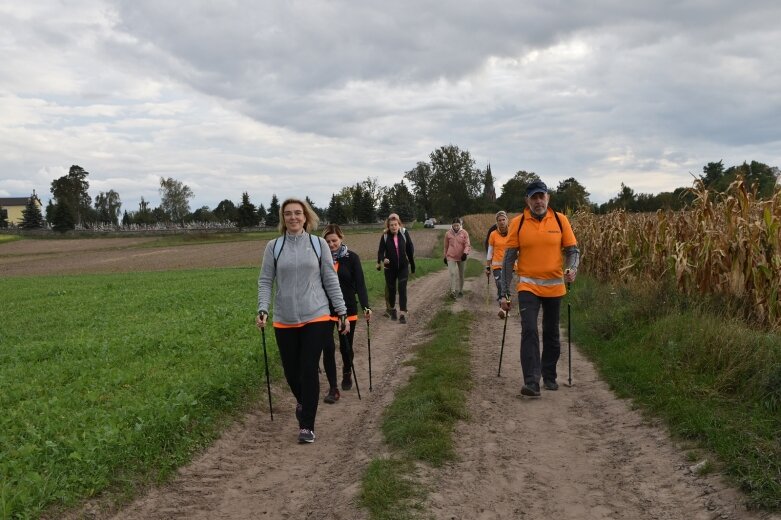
329	353
299	350
392	277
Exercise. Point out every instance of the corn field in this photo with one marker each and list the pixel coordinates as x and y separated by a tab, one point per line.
725	244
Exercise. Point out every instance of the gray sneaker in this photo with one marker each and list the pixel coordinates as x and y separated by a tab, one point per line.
403	318
393	314
305	435
550	384
531	390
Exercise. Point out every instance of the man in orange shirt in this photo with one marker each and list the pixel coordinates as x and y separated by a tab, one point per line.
539	234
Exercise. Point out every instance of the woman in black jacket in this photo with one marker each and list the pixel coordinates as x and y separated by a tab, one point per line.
396	254
348	266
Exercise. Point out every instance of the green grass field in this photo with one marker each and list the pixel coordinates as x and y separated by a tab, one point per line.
111	381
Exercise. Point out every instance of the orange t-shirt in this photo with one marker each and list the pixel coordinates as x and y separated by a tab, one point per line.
497	243
540	266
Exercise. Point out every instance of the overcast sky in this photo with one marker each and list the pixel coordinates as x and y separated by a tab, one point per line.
304	97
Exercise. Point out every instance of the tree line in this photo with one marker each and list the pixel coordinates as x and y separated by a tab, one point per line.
449	184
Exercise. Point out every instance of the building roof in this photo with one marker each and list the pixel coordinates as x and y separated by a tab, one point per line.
15	201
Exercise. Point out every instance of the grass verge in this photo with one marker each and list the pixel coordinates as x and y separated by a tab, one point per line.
111	381
418	425
714	380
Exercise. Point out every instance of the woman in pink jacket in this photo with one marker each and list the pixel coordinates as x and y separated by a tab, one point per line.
457	247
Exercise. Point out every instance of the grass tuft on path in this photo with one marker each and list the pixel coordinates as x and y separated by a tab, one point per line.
419	423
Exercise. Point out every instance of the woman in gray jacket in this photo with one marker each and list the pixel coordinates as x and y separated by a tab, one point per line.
301	266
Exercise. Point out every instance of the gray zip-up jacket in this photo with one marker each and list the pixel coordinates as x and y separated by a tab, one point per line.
301	284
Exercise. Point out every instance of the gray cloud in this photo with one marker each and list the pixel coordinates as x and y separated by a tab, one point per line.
263	96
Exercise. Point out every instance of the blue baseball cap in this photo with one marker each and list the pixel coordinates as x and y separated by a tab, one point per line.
536	187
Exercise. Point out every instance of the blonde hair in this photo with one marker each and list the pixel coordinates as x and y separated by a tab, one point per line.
333	229
392	216
311	222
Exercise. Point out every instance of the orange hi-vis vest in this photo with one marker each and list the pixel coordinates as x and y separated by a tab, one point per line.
540	266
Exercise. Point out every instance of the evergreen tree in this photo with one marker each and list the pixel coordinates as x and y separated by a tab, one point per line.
335	212
363	206
319	211
3	217
246	213
385	206
63	218
272	218
402	202
262	214
32	218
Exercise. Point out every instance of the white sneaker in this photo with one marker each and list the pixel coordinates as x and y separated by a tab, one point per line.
502	314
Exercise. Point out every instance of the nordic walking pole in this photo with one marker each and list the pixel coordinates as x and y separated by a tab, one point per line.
369	345
487	283
352	365
569	335
268	382
501	351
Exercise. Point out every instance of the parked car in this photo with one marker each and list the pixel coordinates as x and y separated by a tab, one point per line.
429	223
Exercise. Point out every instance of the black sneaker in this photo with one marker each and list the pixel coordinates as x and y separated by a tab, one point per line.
347	382
550	384
333	396
531	390
393	314
460	294
305	435
403	318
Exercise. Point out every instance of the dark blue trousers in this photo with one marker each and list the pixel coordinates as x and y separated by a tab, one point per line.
532	364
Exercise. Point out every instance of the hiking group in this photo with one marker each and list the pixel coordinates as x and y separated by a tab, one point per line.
315	292
317	280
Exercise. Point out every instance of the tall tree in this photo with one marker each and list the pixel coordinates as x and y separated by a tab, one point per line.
175	199
247	215
107	206
489	190
320	211
62	219
3	217
336	212
226	210
421	177
402	202
513	197
272	219
363	205
71	190
712	173
144	215
32	218
385	206
262	214
202	214
570	195
455	183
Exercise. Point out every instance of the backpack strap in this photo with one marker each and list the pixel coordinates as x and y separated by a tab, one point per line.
278	246
317	247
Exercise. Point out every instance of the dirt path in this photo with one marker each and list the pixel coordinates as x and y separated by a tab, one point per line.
578	453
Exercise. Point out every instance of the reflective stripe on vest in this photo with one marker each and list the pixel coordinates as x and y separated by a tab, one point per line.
541	281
